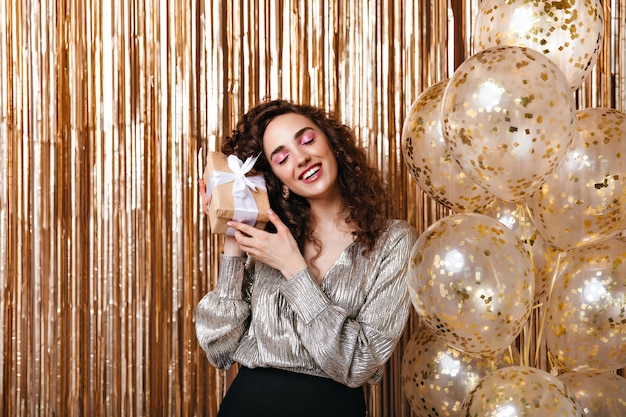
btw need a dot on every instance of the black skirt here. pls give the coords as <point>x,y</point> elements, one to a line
<point>277,393</point>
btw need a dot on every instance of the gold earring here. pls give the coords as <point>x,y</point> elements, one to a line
<point>285,192</point>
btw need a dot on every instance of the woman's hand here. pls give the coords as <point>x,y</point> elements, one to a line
<point>278,250</point>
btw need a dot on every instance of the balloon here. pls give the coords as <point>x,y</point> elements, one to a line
<point>521,391</point>
<point>515,217</point>
<point>586,312</point>
<point>600,393</point>
<point>428,159</point>
<point>584,200</point>
<point>569,33</point>
<point>436,377</point>
<point>471,282</point>
<point>508,116</point>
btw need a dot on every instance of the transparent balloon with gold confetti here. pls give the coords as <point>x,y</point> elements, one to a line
<point>584,199</point>
<point>507,117</point>
<point>602,394</point>
<point>436,377</point>
<point>521,391</point>
<point>428,159</point>
<point>586,311</point>
<point>472,283</point>
<point>570,33</point>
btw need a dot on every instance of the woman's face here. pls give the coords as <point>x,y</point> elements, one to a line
<point>301,157</point>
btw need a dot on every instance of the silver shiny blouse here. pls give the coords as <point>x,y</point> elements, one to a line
<point>345,329</point>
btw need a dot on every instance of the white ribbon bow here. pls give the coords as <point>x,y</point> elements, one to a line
<point>246,209</point>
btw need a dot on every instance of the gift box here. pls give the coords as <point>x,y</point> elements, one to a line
<point>235,193</point>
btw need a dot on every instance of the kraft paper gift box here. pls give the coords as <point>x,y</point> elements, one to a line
<point>235,193</point>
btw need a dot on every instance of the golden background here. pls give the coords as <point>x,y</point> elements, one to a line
<point>106,110</point>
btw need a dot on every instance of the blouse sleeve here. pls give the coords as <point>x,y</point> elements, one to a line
<point>223,315</point>
<point>353,350</point>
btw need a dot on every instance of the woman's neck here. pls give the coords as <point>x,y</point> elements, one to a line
<point>328,218</point>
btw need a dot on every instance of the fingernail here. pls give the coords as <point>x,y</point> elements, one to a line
<point>270,211</point>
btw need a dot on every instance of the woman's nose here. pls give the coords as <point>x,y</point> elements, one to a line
<point>303,158</point>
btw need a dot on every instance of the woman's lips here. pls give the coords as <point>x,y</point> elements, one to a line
<point>311,173</point>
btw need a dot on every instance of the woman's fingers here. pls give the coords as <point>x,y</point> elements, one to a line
<point>245,229</point>
<point>206,200</point>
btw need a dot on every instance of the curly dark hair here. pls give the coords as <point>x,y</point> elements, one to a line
<point>362,188</point>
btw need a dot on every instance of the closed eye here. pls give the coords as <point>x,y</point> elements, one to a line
<point>307,138</point>
<point>280,157</point>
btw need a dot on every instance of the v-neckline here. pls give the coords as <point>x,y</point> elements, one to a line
<point>335,262</point>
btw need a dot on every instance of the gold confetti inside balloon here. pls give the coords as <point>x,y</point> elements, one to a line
<point>436,377</point>
<point>602,394</point>
<point>520,391</point>
<point>471,282</point>
<point>508,116</point>
<point>570,33</point>
<point>584,200</point>
<point>428,159</point>
<point>586,312</point>
<point>515,217</point>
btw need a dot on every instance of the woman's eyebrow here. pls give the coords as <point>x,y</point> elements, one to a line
<point>296,136</point>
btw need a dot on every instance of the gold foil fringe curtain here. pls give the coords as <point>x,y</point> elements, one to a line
<point>106,109</point>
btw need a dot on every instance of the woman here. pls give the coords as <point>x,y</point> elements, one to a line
<point>312,307</point>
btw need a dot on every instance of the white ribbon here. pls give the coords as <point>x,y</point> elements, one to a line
<point>246,209</point>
